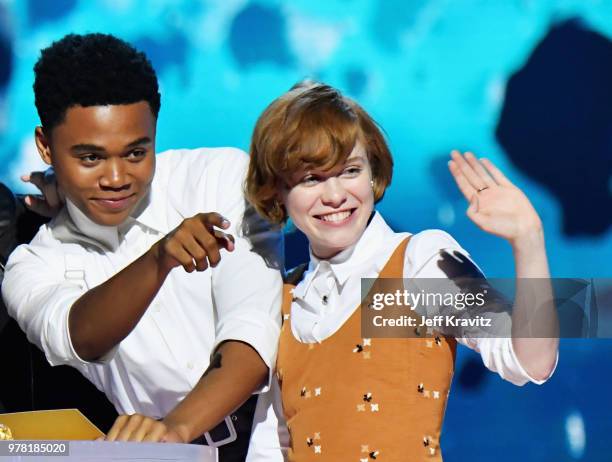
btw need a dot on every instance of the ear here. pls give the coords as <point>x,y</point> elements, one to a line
<point>43,145</point>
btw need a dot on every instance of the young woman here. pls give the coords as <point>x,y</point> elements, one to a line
<point>319,159</point>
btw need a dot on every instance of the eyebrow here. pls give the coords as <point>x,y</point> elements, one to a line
<point>86,147</point>
<point>359,158</point>
<point>139,142</point>
<point>83,147</point>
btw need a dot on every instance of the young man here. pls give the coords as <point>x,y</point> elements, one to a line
<point>147,271</point>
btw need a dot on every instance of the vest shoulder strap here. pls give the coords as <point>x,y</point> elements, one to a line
<point>75,269</point>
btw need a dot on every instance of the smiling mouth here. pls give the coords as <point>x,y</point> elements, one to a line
<point>335,217</point>
<point>114,202</point>
<point>112,199</point>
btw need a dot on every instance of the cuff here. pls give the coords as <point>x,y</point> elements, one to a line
<point>75,360</point>
<point>520,370</point>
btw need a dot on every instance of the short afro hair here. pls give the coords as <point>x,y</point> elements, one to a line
<point>91,70</point>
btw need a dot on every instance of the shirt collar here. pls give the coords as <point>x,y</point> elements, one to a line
<point>345,263</point>
<point>105,235</point>
<point>151,211</point>
<point>145,213</point>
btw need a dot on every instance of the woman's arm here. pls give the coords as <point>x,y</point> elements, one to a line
<point>499,207</point>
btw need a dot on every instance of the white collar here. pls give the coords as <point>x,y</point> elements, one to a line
<point>105,235</point>
<point>149,212</point>
<point>345,263</point>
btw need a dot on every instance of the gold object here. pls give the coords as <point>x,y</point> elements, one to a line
<point>54,424</point>
<point>5,433</point>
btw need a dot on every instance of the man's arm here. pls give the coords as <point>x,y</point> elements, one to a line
<point>235,372</point>
<point>102,317</point>
<point>247,295</point>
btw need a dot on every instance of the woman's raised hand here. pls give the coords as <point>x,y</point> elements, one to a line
<point>496,205</point>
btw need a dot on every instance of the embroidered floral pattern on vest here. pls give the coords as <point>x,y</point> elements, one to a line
<point>373,399</point>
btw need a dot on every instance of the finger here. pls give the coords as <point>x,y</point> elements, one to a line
<point>156,433</point>
<point>38,205</point>
<point>49,195</point>
<point>37,179</point>
<point>47,184</point>
<point>462,183</point>
<point>496,173</point>
<point>225,240</point>
<point>474,179</point>
<point>116,428</point>
<point>479,169</point>
<point>214,219</point>
<point>210,244</point>
<point>173,248</point>
<point>142,430</point>
<point>172,437</point>
<point>196,251</point>
<point>186,261</point>
<point>52,191</point>
<point>130,427</point>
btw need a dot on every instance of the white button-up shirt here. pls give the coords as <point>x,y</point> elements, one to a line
<point>338,281</point>
<point>162,359</point>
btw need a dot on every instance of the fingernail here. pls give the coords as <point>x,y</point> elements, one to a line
<point>225,223</point>
<point>27,200</point>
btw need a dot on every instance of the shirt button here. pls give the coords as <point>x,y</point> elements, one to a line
<point>156,307</point>
<point>189,365</point>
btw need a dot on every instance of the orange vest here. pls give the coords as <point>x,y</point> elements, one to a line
<point>358,399</point>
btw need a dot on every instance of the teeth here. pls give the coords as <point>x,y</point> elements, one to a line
<point>336,216</point>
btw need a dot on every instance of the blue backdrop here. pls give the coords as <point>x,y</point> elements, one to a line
<point>527,83</point>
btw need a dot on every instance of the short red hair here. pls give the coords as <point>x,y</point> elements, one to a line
<point>311,126</point>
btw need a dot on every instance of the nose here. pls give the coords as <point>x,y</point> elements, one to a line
<point>114,175</point>
<point>334,193</point>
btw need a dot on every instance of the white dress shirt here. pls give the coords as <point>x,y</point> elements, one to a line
<point>163,358</point>
<point>339,281</point>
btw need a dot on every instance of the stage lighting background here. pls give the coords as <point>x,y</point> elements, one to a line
<point>434,74</point>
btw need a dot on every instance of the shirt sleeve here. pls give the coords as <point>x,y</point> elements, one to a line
<point>498,356</point>
<point>38,296</point>
<point>247,284</point>
<point>435,254</point>
<point>270,437</point>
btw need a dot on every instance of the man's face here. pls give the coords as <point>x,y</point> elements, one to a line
<point>104,158</point>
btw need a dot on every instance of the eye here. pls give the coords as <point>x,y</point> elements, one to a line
<point>309,180</point>
<point>136,154</point>
<point>90,159</point>
<point>351,171</point>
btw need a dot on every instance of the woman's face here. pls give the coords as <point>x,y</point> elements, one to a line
<point>332,207</point>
